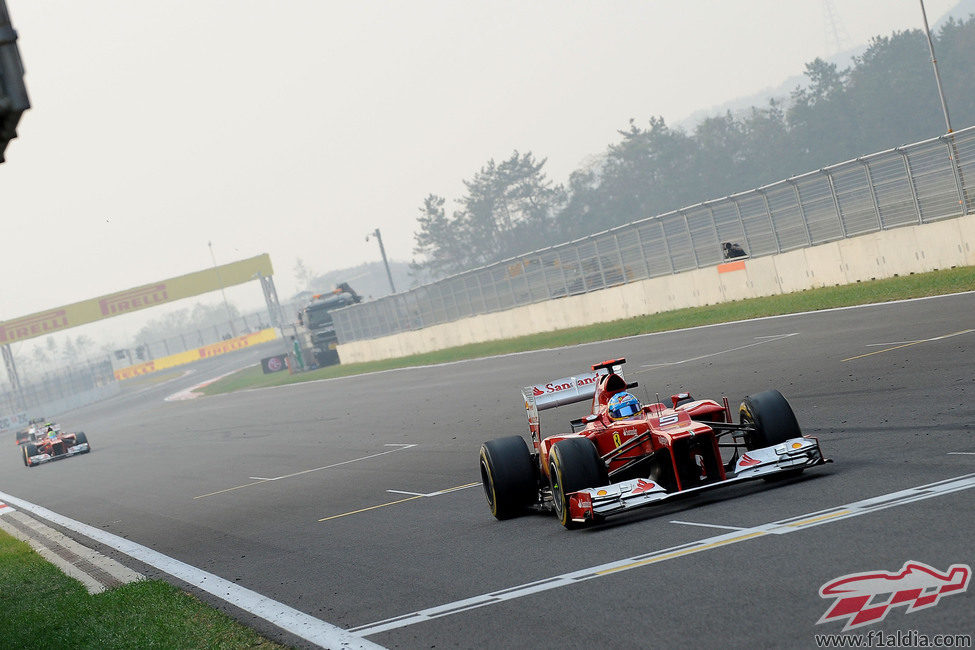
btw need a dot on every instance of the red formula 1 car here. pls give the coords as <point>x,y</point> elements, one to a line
<point>46,443</point>
<point>624,455</point>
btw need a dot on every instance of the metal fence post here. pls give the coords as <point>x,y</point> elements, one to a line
<point>956,170</point>
<point>741,223</point>
<point>480,292</point>
<point>643,254</point>
<point>690,240</point>
<point>470,302</point>
<point>619,256</point>
<point>836,201</point>
<point>873,192</point>
<point>714,225</point>
<point>670,257</point>
<point>771,223</point>
<point>582,274</point>
<point>910,182</point>
<point>802,212</point>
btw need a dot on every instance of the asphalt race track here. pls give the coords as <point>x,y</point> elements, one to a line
<point>358,500</point>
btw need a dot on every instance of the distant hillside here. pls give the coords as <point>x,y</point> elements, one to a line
<point>782,92</point>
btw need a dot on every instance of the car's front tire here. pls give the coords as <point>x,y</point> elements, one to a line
<point>30,449</point>
<point>508,476</point>
<point>573,464</point>
<point>772,418</point>
<point>81,438</point>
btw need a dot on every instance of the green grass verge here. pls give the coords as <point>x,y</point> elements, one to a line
<point>43,608</point>
<point>898,288</point>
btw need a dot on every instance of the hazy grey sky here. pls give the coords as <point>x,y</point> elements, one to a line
<point>296,127</point>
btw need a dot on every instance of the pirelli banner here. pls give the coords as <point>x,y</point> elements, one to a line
<point>212,350</point>
<point>123,302</point>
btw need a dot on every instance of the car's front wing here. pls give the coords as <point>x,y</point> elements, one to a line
<point>592,503</point>
<point>37,459</point>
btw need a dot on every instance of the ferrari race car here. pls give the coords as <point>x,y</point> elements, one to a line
<point>47,442</point>
<point>624,455</point>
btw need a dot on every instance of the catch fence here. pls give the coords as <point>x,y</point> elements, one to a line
<point>913,184</point>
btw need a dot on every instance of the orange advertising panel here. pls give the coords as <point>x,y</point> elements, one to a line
<point>123,302</point>
<point>728,267</point>
<point>190,356</point>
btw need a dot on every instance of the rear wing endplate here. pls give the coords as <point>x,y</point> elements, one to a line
<point>558,392</point>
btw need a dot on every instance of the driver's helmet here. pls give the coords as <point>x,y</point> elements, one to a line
<point>623,405</point>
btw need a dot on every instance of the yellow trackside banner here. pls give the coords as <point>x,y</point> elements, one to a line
<point>123,302</point>
<point>189,356</point>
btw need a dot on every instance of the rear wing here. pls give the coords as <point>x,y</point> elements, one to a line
<point>567,390</point>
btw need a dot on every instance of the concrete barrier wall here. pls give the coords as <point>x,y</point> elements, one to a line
<point>911,249</point>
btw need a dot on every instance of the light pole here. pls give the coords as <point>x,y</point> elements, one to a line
<point>226,305</point>
<point>960,177</point>
<point>379,238</point>
<point>934,63</point>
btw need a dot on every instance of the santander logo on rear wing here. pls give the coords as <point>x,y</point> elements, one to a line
<point>562,391</point>
<point>567,390</point>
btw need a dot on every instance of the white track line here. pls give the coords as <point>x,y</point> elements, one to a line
<point>287,618</point>
<point>782,527</point>
<point>434,494</point>
<point>766,339</point>
<point>258,479</point>
<point>691,523</point>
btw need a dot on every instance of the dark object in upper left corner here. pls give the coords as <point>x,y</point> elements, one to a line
<point>13,92</point>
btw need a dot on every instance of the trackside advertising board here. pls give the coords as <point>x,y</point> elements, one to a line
<point>123,302</point>
<point>190,356</point>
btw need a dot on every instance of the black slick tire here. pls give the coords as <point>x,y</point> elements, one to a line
<point>508,476</point>
<point>573,464</point>
<point>30,449</point>
<point>772,418</point>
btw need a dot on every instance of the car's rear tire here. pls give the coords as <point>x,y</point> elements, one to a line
<point>771,416</point>
<point>81,438</point>
<point>508,476</point>
<point>573,464</point>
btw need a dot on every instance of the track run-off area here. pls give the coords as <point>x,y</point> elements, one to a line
<point>350,510</point>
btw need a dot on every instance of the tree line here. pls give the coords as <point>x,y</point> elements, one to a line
<point>886,97</point>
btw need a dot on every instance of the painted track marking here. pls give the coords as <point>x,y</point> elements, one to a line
<point>782,527</point>
<point>691,523</point>
<point>961,453</point>
<point>904,345</point>
<point>765,339</point>
<point>414,496</point>
<point>287,618</point>
<point>258,481</point>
